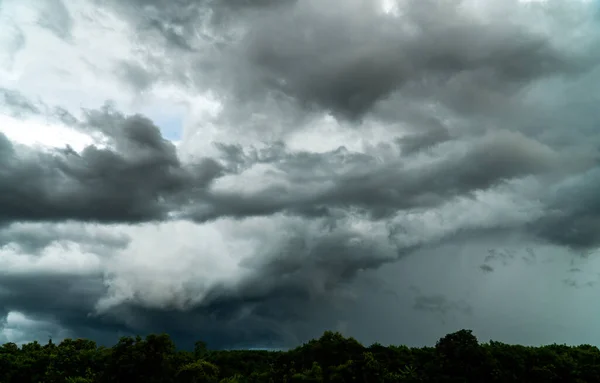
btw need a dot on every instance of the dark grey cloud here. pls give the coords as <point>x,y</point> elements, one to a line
<point>415,142</point>
<point>66,301</point>
<point>371,62</point>
<point>61,294</point>
<point>59,301</point>
<point>139,176</point>
<point>303,268</point>
<point>355,58</point>
<point>133,179</point>
<point>573,217</point>
<point>380,188</point>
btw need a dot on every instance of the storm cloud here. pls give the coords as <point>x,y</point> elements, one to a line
<point>126,181</point>
<point>422,159</point>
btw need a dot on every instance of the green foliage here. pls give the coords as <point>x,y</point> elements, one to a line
<point>313,375</point>
<point>199,371</point>
<point>200,349</point>
<point>457,357</point>
<point>233,379</point>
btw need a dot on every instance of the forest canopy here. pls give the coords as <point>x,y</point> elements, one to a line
<point>457,357</point>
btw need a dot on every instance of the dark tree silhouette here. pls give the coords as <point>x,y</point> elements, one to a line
<point>457,357</point>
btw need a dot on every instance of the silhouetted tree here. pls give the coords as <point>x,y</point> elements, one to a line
<point>457,357</point>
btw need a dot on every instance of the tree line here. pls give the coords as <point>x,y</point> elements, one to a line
<point>457,357</point>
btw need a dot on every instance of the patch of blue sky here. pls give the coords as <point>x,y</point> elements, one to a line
<point>171,126</point>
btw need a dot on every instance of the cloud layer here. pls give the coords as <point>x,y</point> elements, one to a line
<point>332,157</point>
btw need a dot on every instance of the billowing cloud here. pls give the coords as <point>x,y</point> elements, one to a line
<point>35,237</point>
<point>124,181</point>
<point>255,172</point>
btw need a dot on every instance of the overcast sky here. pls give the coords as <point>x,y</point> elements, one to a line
<point>254,172</point>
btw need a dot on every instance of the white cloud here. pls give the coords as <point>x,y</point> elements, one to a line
<point>18,328</point>
<point>174,264</point>
<point>36,132</point>
<point>57,258</point>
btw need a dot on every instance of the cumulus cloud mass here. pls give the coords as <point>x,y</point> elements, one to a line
<point>251,173</point>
